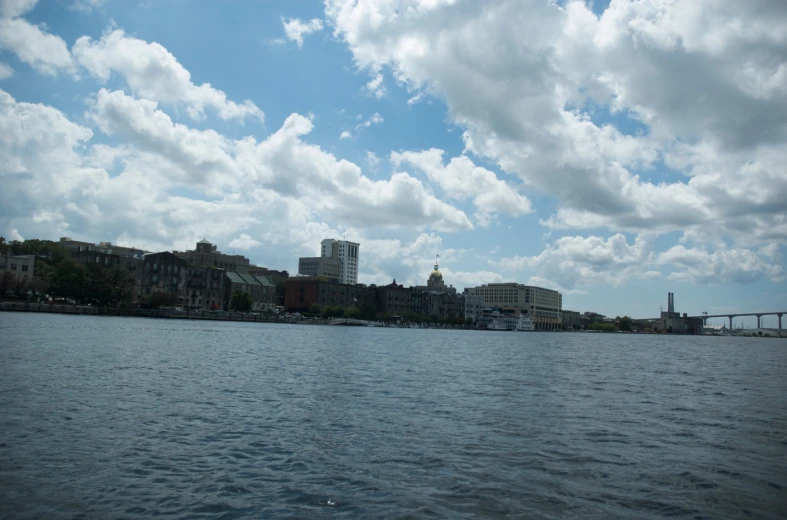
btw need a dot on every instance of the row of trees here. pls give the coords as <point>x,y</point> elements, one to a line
<point>622,324</point>
<point>56,274</point>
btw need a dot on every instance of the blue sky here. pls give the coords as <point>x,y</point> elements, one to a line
<point>615,154</point>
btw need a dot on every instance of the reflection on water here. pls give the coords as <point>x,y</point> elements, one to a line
<point>125,417</point>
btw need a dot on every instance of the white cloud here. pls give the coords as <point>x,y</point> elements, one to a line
<point>372,160</point>
<point>706,81</point>
<point>245,242</point>
<point>574,263</point>
<point>723,265</point>
<point>44,52</point>
<point>86,5</point>
<point>461,179</point>
<point>5,71</point>
<point>152,72</point>
<point>375,86</point>
<point>375,119</point>
<point>345,135</point>
<point>14,8</point>
<point>281,190</point>
<point>296,29</point>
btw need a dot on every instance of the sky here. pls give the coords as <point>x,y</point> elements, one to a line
<point>614,151</point>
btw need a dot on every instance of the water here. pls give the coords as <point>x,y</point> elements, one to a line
<point>125,417</point>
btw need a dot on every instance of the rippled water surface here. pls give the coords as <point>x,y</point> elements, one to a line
<point>126,417</point>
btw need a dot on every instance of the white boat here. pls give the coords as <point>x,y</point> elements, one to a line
<point>497,325</point>
<point>525,323</point>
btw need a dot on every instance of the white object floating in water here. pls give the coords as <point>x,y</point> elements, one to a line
<point>331,503</point>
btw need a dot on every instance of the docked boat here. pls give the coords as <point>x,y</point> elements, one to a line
<point>525,323</point>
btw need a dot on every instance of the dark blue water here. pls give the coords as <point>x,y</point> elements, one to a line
<point>127,418</point>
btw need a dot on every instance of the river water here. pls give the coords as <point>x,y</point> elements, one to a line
<point>128,418</point>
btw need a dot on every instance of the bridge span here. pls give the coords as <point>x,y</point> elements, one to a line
<point>759,315</point>
<point>704,317</point>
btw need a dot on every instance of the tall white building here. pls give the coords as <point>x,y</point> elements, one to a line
<point>347,253</point>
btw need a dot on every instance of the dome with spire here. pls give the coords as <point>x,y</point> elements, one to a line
<point>435,278</point>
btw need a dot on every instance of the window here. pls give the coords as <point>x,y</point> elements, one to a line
<point>13,267</point>
<point>24,267</point>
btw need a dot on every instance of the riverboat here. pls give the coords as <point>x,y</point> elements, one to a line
<point>525,323</point>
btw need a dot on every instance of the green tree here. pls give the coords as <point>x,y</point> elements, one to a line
<point>241,301</point>
<point>353,313</point>
<point>368,311</point>
<point>330,311</point>
<point>624,323</point>
<point>69,280</point>
<point>603,327</point>
<point>110,286</point>
<point>6,282</point>
<point>315,308</point>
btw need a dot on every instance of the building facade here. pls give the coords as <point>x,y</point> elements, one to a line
<point>301,293</point>
<point>542,305</point>
<point>347,253</point>
<point>261,290</point>
<point>159,272</point>
<point>20,267</point>
<point>570,320</point>
<point>76,246</point>
<point>474,306</point>
<point>325,267</point>
<point>206,254</point>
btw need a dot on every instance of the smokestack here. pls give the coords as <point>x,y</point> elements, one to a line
<point>670,302</point>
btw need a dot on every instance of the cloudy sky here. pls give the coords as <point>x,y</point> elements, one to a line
<point>612,150</point>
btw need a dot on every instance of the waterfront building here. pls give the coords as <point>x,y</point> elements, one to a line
<point>474,306</point>
<point>205,287</point>
<point>301,293</point>
<point>347,253</point>
<point>157,272</point>
<point>394,299</point>
<point>672,322</point>
<point>206,254</point>
<point>325,267</point>
<point>570,320</point>
<point>260,288</point>
<point>542,305</point>
<point>21,267</point>
<point>76,246</point>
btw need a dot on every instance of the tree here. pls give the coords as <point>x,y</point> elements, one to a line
<point>241,301</point>
<point>109,286</point>
<point>69,280</point>
<point>624,323</point>
<point>315,308</point>
<point>368,311</point>
<point>352,312</point>
<point>6,282</point>
<point>332,312</point>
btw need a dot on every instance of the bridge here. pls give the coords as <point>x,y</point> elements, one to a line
<point>759,315</point>
<point>704,317</point>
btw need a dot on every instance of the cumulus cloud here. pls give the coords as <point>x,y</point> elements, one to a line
<point>5,71</point>
<point>153,73</point>
<point>277,190</point>
<point>244,241</point>
<point>296,30</point>
<point>574,263</point>
<point>375,86</point>
<point>706,83</point>
<point>461,179</point>
<point>32,44</point>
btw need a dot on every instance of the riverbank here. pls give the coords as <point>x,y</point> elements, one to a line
<point>154,313</point>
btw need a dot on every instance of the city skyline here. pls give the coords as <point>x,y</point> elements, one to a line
<point>616,155</point>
